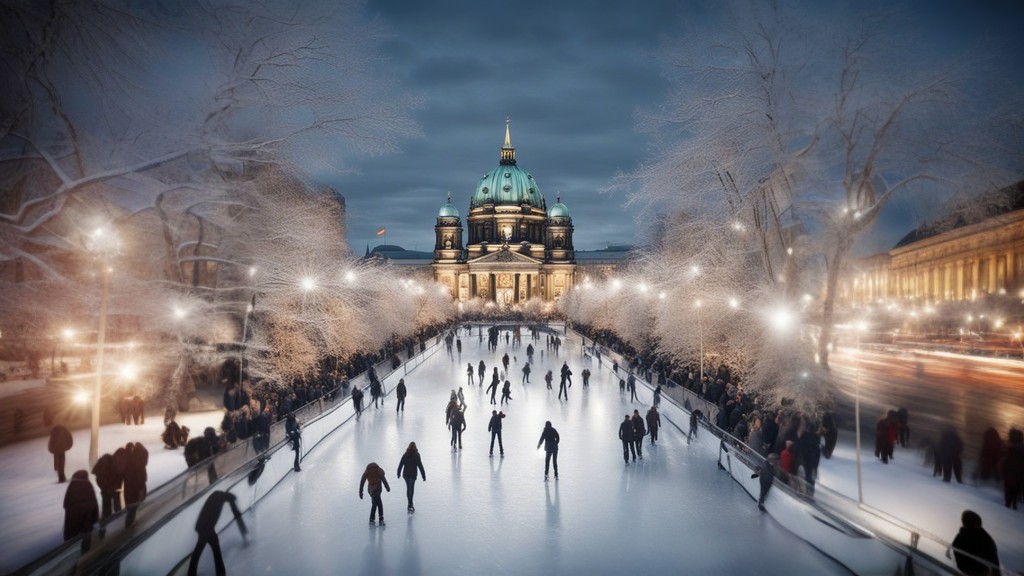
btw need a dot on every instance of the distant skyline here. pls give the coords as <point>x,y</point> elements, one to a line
<point>570,78</point>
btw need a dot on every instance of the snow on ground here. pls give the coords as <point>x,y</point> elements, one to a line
<point>674,510</point>
<point>33,502</point>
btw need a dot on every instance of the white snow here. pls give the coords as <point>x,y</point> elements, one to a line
<point>674,511</point>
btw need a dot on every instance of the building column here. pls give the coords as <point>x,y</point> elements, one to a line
<point>993,264</point>
<point>515,286</point>
<point>975,275</point>
<point>1011,261</point>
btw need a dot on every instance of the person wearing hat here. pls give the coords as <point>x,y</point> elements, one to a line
<point>973,547</point>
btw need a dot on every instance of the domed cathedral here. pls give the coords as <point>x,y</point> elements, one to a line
<point>517,248</point>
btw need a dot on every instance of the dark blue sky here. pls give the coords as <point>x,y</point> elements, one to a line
<point>570,75</point>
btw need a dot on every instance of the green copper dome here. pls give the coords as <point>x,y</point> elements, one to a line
<point>508,184</point>
<point>448,210</point>
<point>559,210</point>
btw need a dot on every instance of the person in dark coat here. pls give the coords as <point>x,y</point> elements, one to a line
<point>810,452</point>
<point>135,477</point>
<point>973,542</point>
<point>60,442</point>
<point>400,392</point>
<point>138,409</point>
<point>830,433</point>
<point>494,427</point>
<point>493,389</point>
<point>547,379</point>
<point>261,435</point>
<point>948,455</point>
<point>549,437</point>
<point>109,476</point>
<point>407,467</point>
<point>482,371</point>
<point>357,400</point>
<point>631,386</point>
<point>653,424</point>
<point>991,452</point>
<point>903,418</point>
<point>374,476</point>
<point>293,430</point>
<point>457,423</point>
<point>376,391</point>
<point>81,512</point>
<point>766,474</point>
<point>1013,468</point>
<point>199,449</point>
<point>206,527</point>
<point>506,392</point>
<point>626,436</point>
<point>639,431</point>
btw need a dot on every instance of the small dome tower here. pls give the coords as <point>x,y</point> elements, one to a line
<point>448,234</point>
<point>558,242</point>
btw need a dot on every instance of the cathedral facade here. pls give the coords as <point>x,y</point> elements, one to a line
<point>517,248</point>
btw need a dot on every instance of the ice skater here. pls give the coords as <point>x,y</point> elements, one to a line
<point>374,476</point>
<point>767,475</point>
<point>626,436</point>
<point>549,437</point>
<point>506,392</point>
<point>493,389</point>
<point>407,467</point>
<point>494,427</point>
<point>526,373</point>
<point>293,430</point>
<point>631,386</point>
<point>206,527</point>
<point>458,425</point>
<point>462,399</point>
<point>482,371</point>
<point>469,374</point>
<point>639,431</point>
<point>60,442</point>
<point>653,424</point>
<point>563,386</point>
<point>400,393</point>
<point>547,379</point>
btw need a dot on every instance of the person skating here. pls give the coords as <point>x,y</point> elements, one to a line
<point>494,427</point>
<point>547,379</point>
<point>657,395</point>
<point>766,473</point>
<point>529,353</point>
<point>653,424</point>
<point>469,374</point>
<point>526,373</point>
<point>60,442</point>
<point>563,387</point>
<point>1013,468</point>
<point>493,389</point>
<point>972,543</point>
<point>457,425</point>
<point>482,371</point>
<point>376,392</point>
<point>374,476</point>
<point>109,477</point>
<point>293,431</point>
<point>357,400</point>
<point>400,393</point>
<point>81,511</point>
<point>504,362</point>
<point>639,431</point>
<point>462,399</point>
<point>407,467</point>
<point>626,436</point>
<point>506,392</point>
<point>586,377</point>
<point>206,527</point>
<point>549,437</point>
<point>631,386</point>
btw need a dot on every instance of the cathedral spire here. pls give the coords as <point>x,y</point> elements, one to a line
<point>508,153</point>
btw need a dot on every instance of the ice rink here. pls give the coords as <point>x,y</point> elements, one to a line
<point>674,511</point>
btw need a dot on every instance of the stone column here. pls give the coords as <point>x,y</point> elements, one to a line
<point>975,275</point>
<point>993,264</point>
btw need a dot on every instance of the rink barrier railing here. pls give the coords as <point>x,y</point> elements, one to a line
<point>113,546</point>
<point>929,553</point>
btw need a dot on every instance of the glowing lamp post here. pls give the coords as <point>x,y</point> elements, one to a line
<point>103,244</point>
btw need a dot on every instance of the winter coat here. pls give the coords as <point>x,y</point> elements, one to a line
<point>374,476</point>
<point>626,431</point>
<point>458,421</point>
<point>653,420</point>
<point>135,474</point>
<point>1013,464</point>
<point>400,390</point>
<point>108,478</point>
<point>639,430</point>
<point>196,450</point>
<point>206,523</point>
<point>787,461</point>
<point>60,440</point>
<point>212,439</point>
<point>756,441</point>
<point>81,510</point>
<point>810,450</point>
<point>549,437</point>
<point>409,464</point>
<point>974,540</point>
<point>495,423</point>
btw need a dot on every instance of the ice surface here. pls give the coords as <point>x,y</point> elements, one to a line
<point>672,511</point>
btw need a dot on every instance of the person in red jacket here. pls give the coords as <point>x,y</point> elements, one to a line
<point>787,459</point>
<point>374,476</point>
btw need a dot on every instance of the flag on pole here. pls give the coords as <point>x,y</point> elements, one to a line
<point>381,231</point>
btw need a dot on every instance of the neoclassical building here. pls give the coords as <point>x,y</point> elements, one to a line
<point>961,258</point>
<point>517,249</point>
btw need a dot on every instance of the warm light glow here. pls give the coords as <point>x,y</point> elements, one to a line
<point>643,287</point>
<point>808,298</point>
<point>734,303</point>
<point>179,312</point>
<point>68,333</point>
<point>308,283</point>
<point>616,284</point>
<point>350,276</point>
<point>128,372</point>
<point>252,271</point>
<point>861,326</point>
<point>81,397</point>
<point>782,319</point>
<point>789,251</point>
<point>998,323</point>
<point>695,269</point>
<point>697,303</point>
<point>661,295</point>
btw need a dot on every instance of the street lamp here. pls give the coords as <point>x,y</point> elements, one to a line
<point>859,327</point>
<point>103,243</point>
